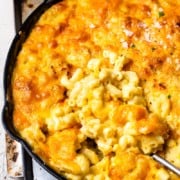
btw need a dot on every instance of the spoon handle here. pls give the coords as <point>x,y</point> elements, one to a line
<point>166,164</point>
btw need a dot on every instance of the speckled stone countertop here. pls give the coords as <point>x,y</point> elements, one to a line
<point>6,34</point>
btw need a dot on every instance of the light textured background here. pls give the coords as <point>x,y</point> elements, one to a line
<point>6,35</point>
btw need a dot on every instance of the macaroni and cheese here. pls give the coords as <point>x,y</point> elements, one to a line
<point>96,88</point>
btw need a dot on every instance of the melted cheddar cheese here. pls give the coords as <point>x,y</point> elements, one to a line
<point>96,88</point>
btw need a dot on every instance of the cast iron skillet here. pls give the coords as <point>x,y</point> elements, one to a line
<point>7,118</point>
<point>7,112</point>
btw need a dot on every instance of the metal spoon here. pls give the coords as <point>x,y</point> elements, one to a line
<point>166,164</point>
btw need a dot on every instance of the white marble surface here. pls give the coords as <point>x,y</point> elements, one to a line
<point>6,35</point>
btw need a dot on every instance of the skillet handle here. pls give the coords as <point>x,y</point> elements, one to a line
<point>47,1</point>
<point>51,1</point>
<point>17,14</point>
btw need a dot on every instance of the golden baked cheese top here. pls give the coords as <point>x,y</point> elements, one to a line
<point>96,88</point>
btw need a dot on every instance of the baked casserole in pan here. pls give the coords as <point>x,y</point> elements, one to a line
<point>96,88</point>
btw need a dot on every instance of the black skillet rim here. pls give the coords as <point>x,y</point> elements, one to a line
<point>7,110</point>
